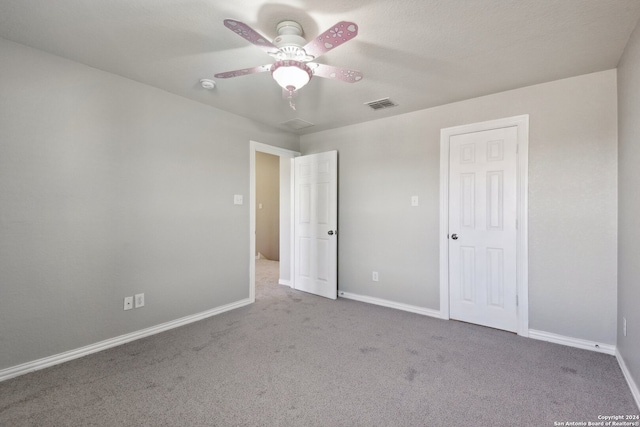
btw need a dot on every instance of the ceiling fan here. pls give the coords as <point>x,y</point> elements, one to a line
<point>293,67</point>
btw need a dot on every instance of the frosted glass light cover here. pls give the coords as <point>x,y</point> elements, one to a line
<point>291,75</point>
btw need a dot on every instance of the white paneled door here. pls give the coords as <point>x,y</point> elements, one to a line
<point>315,219</point>
<point>483,229</point>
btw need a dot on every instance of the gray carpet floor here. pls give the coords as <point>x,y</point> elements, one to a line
<point>294,359</point>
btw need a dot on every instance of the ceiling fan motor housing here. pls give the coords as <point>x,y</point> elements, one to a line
<point>290,41</point>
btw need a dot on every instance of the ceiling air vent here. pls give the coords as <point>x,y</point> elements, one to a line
<point>380,104</point>
<point>297,124</point>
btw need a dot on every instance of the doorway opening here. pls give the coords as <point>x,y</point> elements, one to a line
<point>267,207</point>
<point>264,240</point>
<point>267,210</point>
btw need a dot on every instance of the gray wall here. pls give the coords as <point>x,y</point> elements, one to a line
<point>572,201</point>
<point>268,195</point>
<point>629,208</point>
<point>109,188</point>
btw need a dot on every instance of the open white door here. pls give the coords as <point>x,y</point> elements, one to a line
<point>315,224</point>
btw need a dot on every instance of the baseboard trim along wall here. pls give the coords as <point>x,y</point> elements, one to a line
<point>45,362</point>
<point>538,335</point>
<point>572,342</point>
<point>285,282</point>
<point>390,304</point>
<point>627,375</point>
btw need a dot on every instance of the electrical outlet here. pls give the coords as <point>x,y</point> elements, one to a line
<point>624,326</point>
<point>139,300</point>
<point>237,199</point>
<point>375,276</point>
<point>128,303</point>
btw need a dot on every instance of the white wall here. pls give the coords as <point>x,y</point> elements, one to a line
<point>109,188</point>
<point>572,201</point>
<point>629,208</point>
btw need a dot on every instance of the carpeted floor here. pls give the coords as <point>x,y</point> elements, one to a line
<point>294,359</point>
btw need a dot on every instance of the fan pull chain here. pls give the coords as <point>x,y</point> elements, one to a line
<point>291,91</point>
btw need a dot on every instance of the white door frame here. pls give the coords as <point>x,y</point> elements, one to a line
<point>282,153</point>
<point>522,261</point>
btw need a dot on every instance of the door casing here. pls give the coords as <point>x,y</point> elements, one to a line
<point>522,262</point>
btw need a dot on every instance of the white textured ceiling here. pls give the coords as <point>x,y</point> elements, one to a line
<point>420,53</point>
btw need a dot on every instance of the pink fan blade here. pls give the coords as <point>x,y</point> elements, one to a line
<point>248,33</point>
<point>335,36</point>
<point>335,73</point>
<point>243,72</point>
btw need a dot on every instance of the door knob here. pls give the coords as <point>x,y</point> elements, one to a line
<point>454,236</point>
<point>330,232</point>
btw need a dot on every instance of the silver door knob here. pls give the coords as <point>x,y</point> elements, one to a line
<point>330,232</point>
<point>454,236</point>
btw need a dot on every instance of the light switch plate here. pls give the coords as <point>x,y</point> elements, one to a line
<point>414,200</point>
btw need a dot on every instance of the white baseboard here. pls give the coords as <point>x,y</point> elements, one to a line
<point>56,359</point>
<point>627,375</point>
<point>390,304</point>
<point>285,282</point>
<point>46,362</point>
<point>572,342</point>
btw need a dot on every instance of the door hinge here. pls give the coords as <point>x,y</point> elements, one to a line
<point>517,303</point>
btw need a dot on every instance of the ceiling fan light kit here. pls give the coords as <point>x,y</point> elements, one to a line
<point>292,69</point>
<point>291,75</point>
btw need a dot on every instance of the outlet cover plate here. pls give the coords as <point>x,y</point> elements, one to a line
<point>139,300</point>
